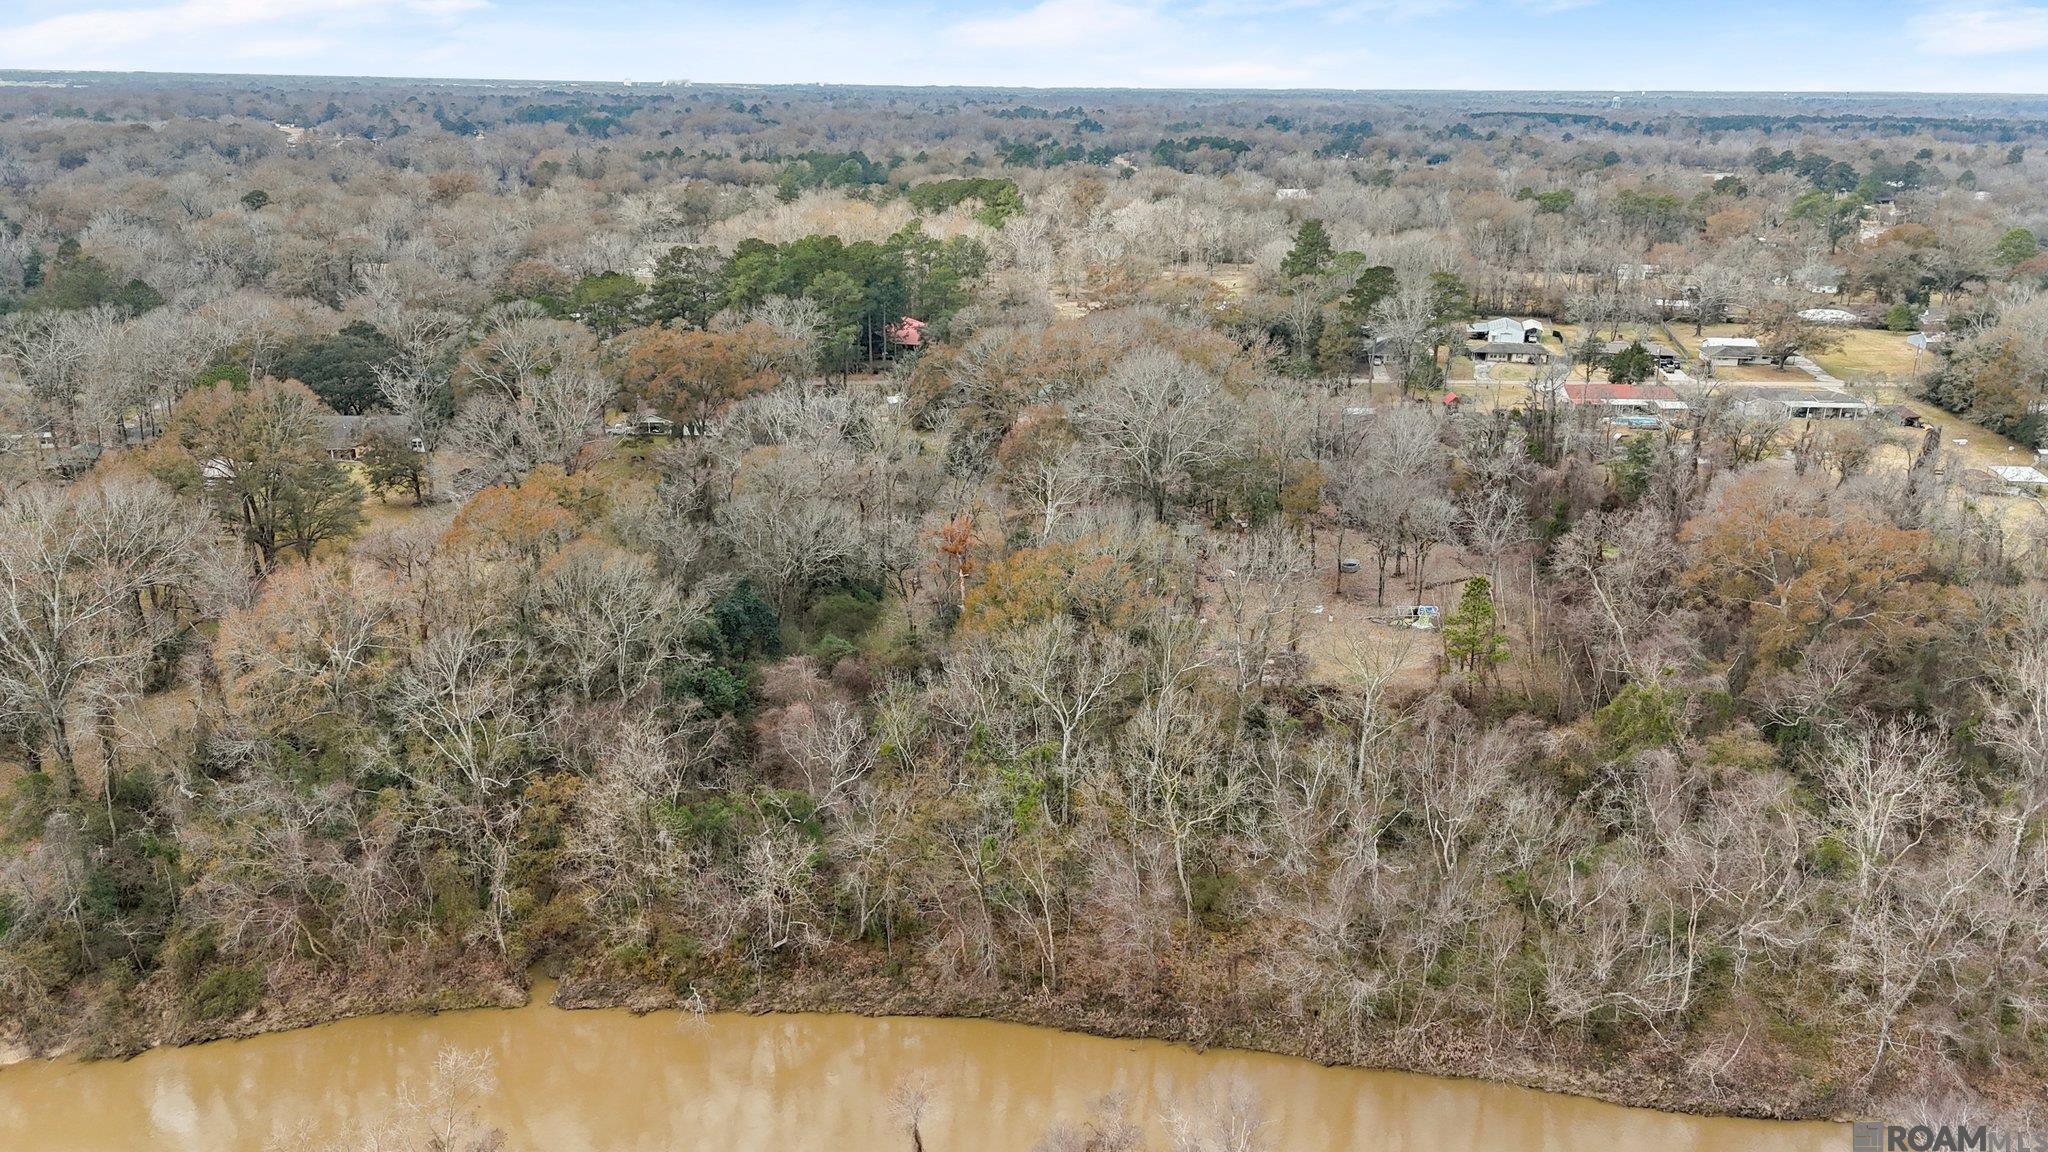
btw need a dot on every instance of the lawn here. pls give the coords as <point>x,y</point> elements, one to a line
<point>1647,333</point>
<point>1859,354</point>
<point>1870,352</point>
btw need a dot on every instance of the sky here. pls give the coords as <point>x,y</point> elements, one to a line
<point>1740,45</point>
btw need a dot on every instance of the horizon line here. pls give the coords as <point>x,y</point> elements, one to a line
<point>673,82</point>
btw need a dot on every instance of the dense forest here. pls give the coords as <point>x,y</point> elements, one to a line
<point>955,551</point>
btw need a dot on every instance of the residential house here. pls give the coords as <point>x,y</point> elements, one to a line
<point>1820,279</point>
<point>1829,316</point>
<point>341,436</point>
<point>1731,350</point>
<point>2018,478</point>
<point>1799,402</point>
<point>1506,330</point>
<point>2020,475</point>
<point>345,437</point>
<point>1644,399</point>
<point>1666,358</point>
<point>907,332</point>
<point>645,423</point>
<point>1500,352</point>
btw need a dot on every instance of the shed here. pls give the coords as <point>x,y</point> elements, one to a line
<point>2020,475</point>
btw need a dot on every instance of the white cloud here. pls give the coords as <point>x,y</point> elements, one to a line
<point>1062,24</point>
<point>1388,11</point>
<point>1143,43</point>
<point>1940,45</point>
<point>56,40</point>
<point>1980,30</point>
<point>279,48</point>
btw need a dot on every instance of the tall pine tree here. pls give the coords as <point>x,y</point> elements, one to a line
<point>1472,636</point>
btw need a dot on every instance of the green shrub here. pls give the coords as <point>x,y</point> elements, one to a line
<point>225,992</point>
<point>843,614</point>
<point>830,650</point>
<point>745,623</point>
<point>718,691</point>
<point>1640,716</point>
<point>1212,893</point>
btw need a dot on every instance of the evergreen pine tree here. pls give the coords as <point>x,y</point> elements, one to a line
<point>1472,636</point>
<point>1311,252</point>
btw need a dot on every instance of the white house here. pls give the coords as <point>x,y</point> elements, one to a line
<point>1821,279</point>
<point>1506,330</point>
<point>1727,350</point>
<point>1510,351</point>
<point>1799,402</point>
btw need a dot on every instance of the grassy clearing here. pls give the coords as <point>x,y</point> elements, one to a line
<point>1975,446</point>
<point>1866,353</point>
<point>1348,637</point>
<point>1232,278</point>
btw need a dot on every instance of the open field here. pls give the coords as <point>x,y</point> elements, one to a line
<point>1859,353</point>
<point>1976,447</point>
<point>1345,635</point>
<point>1871,352</point>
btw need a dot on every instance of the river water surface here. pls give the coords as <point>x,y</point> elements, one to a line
<point>590,1080</point>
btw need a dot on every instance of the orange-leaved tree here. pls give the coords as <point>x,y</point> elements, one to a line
<point>691,377</point>
<point>1081,580</point>
<point>528,521</point>
<point>1795,566</point>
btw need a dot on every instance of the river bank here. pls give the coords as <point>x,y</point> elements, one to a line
<point>1646,1081</point>
<point>571,1081</point>
<point>1649,1077</point>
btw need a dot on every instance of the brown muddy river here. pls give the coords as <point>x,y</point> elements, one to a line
<point>577,1081</point>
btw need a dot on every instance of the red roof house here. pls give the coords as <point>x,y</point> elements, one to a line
<point>907,332</point>
<point>1637,397</point>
